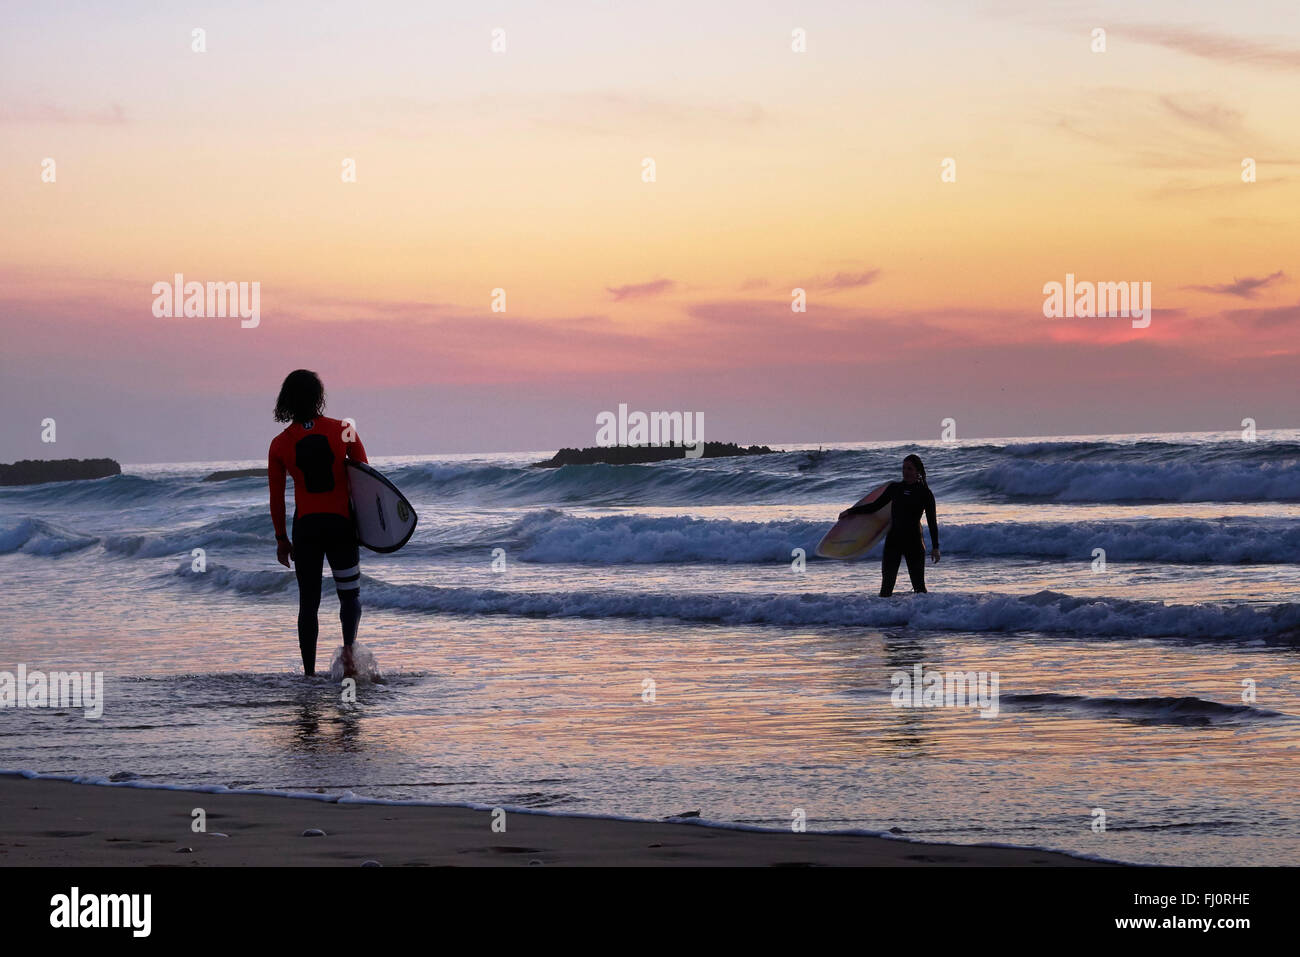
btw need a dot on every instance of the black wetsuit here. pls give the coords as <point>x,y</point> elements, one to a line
<point>317,537</point>
<point>908,502</point>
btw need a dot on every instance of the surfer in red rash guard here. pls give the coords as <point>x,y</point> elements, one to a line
<point>312,450</point>
<point>909,498</point>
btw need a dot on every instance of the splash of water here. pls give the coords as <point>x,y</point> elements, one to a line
<point>363,660</point>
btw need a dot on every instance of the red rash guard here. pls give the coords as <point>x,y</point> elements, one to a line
<point>313,453</point>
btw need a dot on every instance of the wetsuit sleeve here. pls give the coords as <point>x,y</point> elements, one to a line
<point>355,450</point>
<point>275,476</point>
<point>930,518</point>
<point>886,497</point>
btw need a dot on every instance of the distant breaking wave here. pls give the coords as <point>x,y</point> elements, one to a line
<point>553,536</point>
<point>1100,474</point>
<point>550,536</point>
<point>37,537</point>
<point>1077,482</point>
<point>1054,471</point>
<point>1045,611</point>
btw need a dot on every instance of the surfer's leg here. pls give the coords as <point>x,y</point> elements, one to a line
<point>889,567</point>
<point>916,564</point>
<point>308,562</point>
<point>345,562</point>
<point>349,614</point>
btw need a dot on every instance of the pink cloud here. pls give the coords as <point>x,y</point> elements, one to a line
<point>642,290</point>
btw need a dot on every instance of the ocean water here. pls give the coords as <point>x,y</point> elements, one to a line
<point>652,648</point>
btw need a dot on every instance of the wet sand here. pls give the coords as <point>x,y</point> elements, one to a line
<point>58,823</point>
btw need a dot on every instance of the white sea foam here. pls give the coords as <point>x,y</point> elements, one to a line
<point>1045,611</point>
<point>365,664</point>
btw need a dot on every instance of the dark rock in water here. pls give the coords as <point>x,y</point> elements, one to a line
<point>37,471</point>
<point>641,454</point>
<point>235,473</point>
<point>313,832</point>
<point>678,817</point>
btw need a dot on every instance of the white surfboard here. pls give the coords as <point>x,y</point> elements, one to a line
<point>383,517</point>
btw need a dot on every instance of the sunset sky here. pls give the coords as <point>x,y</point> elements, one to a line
<point>523,170</point>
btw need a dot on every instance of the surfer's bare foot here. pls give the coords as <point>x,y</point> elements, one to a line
<point>349,665</point>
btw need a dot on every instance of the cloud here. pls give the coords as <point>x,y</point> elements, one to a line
<point>840,280</point>
<point>1160,131</point>
<point>843,280</point>
<point>642,290</point>
<point>1281,319</point>
<point>1246,288</point>
<point>1210,116</point>
<point>478,381</point>
<point>1240,51</point>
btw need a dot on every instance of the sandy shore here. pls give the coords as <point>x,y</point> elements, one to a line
<point>45,822</point>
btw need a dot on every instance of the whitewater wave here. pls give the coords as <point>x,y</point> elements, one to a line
<point>552,536</point>
<point>237,531</point>
<point>1043,612</point>
<point>35,536</point>
<point>1076,482</point>
<point>1225,541</point>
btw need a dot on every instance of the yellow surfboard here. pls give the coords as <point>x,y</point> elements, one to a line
<point>855,535</point>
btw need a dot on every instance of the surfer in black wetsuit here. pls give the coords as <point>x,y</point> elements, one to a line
<point>909,499</point>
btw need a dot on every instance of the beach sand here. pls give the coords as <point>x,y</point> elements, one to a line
<point>49,822</point>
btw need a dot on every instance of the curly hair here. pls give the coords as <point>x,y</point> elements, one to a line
<point>302,397</point>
